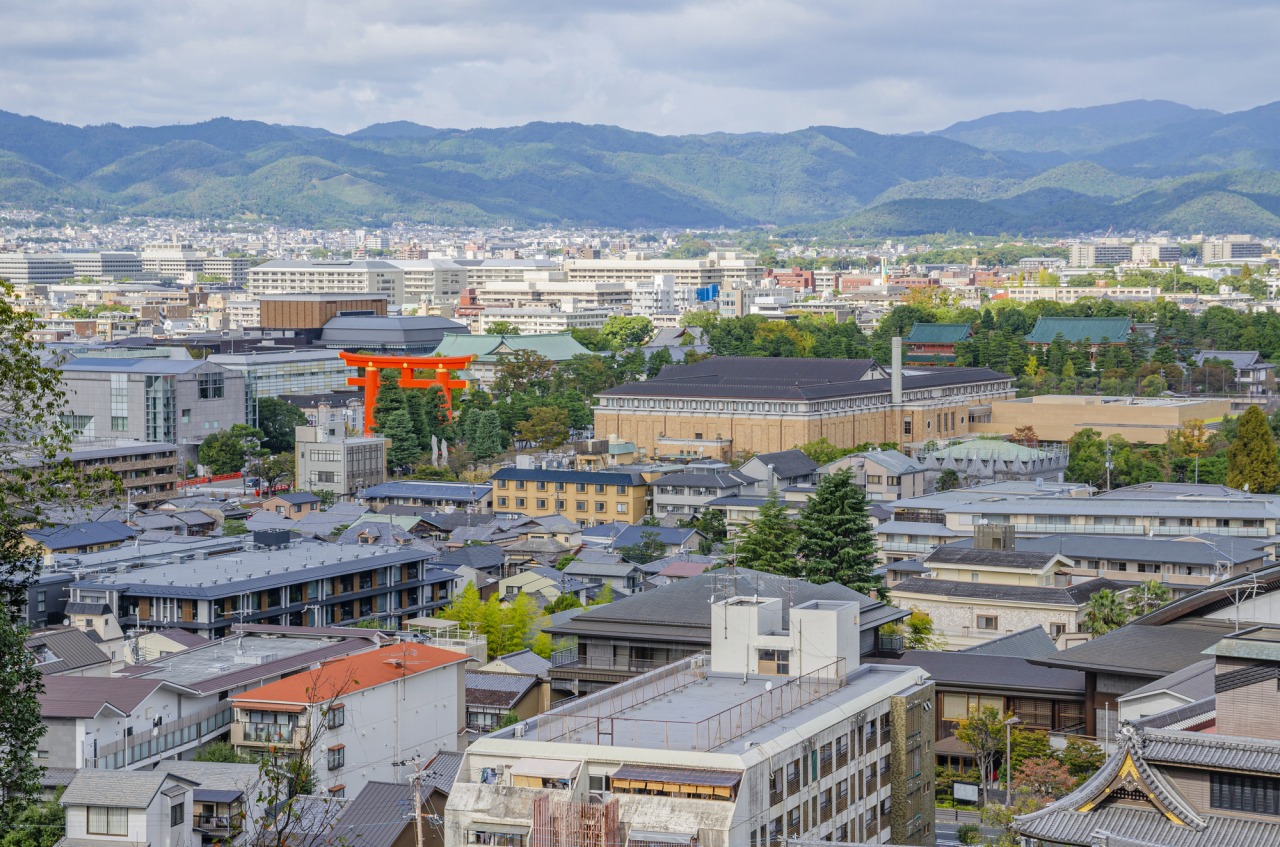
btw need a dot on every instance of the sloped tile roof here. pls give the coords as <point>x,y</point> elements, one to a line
<point>922,333</point>
<point>1115,330</point>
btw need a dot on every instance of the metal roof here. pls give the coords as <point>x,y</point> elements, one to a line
<point>88,696</point>
<point>155,367</point>
<point>66,648</point>
<point>786,464</point>
<point>1025,644</point>
<point>929,333</point>
<point>588,477</point>
<point>668,535</point>
<point>119,789</point>
<point>1074,595</point>
<point>986,671</point>
<point>1115,330</point>
<point>688,776</point>
<point>979,557</point>
<point>1143,650</point>
<point>457,491</point>
<point>376,817</point>
<point>441,771</point>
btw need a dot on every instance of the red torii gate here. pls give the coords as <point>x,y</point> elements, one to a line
<point>440,366</point>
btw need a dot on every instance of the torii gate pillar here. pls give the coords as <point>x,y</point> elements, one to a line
<point>441,368</point>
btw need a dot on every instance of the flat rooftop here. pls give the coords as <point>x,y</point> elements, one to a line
<point>683,707</point>
<point>228,655</point>
<point>1085,400</point>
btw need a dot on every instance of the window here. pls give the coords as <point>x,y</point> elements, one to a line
<point>599,507</point>
<point>581,487</point>
<point>326,476</point>
<point>1057,629</point>
<point>874,479</point>
<point>542,485</point>
<point>559,486</point>
<point>622,489</point>
<point>177,814</point>
<point>541,504</point>
<point>559,505</point>
<point>108,820</point>
<point>774,662</point>
<point>335,717</point>
<point>895,480</point>
<point>622,508</point>
<point>988,622</point>
<point>580,505</point>
<point>502,501</point>
<point>210,386</point>
<point>519,485</point>
<point>337,757</point>
<point>1259,795</point>
<point>519,502</point>
<point>599,488</point>
<point>906,426</point>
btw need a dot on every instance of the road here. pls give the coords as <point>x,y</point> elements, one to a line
<point>946,830</point>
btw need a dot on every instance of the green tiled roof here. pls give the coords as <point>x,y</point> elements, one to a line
<point>1073,330</point>
<point>938,333</point>
<point>558,347</point>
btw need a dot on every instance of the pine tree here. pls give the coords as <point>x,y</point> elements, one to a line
<point>836,542</point>
<point>768,543</point>
<point>486,437</point>
<point>1251,458</point>
<point>391,398</point>
<point>404,449</point>
<point>416,406</point>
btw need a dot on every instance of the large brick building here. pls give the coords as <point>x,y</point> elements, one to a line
<point>728,406</point>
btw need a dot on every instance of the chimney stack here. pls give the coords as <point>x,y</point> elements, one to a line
<point>895,375</point>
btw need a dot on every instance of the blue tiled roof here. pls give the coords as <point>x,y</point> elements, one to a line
<point>590,477</point>
<point>460,491</point>
<point>666,534</point>
<point>87,534</point>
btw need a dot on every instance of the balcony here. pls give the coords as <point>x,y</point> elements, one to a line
<point>907,547</point>
<point>1137,529</point>
<point>219,824</point>
<point>162,741</point>
<point>285,734</point>
<point>569,660</point>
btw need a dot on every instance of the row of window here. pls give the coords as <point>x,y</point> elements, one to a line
<point>782,408</point>
<point>561,505</point>
<point>580,487</point>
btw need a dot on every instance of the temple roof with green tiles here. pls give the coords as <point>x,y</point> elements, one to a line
<point>922,333</point>
<point>1074,330</point>
<point>558,347</point>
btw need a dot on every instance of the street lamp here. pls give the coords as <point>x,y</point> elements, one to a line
<point>1008,756</point>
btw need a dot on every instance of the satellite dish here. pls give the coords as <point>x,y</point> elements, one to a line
<point>768,686</point>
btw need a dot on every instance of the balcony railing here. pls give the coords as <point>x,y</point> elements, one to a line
<point>1138,529</point>
<point>160,741</point>
<point>618,664</point>
<point>265,733</point>
<point>214,824</point>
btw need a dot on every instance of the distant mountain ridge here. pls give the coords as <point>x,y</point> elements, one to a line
<point>1142,164</point>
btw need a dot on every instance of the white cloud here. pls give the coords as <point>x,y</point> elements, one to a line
<point>663,66</point>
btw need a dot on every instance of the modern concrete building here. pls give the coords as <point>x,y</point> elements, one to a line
<point>408,335</point>
<point>288,371</point>
<point>327,459</point>
<point>722,269</point>
<point>173,401</point>
<point>778,733</point>
<point>532,321</point>
<point>341,276</point>
<point>35,268</point>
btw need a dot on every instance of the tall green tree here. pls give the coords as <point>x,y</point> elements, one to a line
<point>836,541</point>
<point>1251,458</point>
<point>403,450</point>
<point>486,435</point>
<point>768,543</point>
<point>391,398</point>
<point>277,420</point>
<point>1147,597</point>
<point>232,449</point>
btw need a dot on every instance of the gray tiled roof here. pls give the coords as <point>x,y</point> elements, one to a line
<point>1194,682</point>
<point>989,558</point>
<point>497,689</point>
<point>442,771</point>
<point>72,648</point>
<point>215,776</point>
<point>666,534</point>
<point>1141,650</point>
<point>120,789</point>
<point>377,816</point>
<point>789,464</point>
<point>526,662</point>
<point>1074,595</point>
<point>986,671</point>
<point>478,556</point>
<point>84,534</point>
<point>1029,643</point>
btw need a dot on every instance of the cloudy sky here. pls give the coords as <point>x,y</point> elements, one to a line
<point>665,66</point>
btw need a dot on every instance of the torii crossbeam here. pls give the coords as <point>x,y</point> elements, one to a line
<point>441,368</point>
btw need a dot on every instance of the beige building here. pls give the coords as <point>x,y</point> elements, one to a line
<point>727,406</point>
<point>326,459</point>
<point>588,497</point>
<point>343,276</point>
<point>1140,420</point>
<point>723,269</point>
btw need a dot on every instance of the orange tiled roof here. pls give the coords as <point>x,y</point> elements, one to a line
<point>344,675</point>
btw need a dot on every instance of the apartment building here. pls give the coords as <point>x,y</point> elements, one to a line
<point>358,718</point>
<point>294,583</point>
<point>107,265</point>
<point>149,471</point>
<point>432,283</point>
<point>769,737</point>
<point>588,497</point>
<point>35,268</point>
<point>1070,294</point>
<point>179,261</point>
<point>1100,254</point>
<point>1232,248</point>
<point>482,273</point>
<point>552,288</point>
<point>171,401</point>
<point>721,269</point>
<point>542,321</point>
<point>343,276</point>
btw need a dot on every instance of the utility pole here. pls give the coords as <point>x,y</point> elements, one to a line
<point>417,805</point>
<point>1108,465</point>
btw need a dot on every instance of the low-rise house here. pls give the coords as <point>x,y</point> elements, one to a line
<point>686,493</point>
<point>674,539</point>
<point>647,630</point>
<point>430,495</point>
<point>535,552</point>
<point>624,577</point>
<point>84,716</point>
<point>68,651</point>
<point>1199,775</point>
<point>886,475</point>
<point>1192,684</point>
<point>1253,375</point>
<point>225,807</point>
<point>544,585</point>
<point>778,470</point>
<point>413,693</point>
<point>141,807</point>
<point>493,696</point>
<point>83,537</point>
<point>293,504</point>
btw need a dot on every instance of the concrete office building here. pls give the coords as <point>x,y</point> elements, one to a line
<point>431,283</point>
<point>723,269</point>
<point>35,268</point>
<point>483,272</point>
<point>327,459</point>
<point>172,260</point>
<point>313,311</point>
<point>288,371</point>
<point>542,289</point>
<point>778,733</point>
<point>1092,255</point>
<point>346,276</point>
<point>1231,248</point>
<point>542,321</point>
<point>112,265</point>
<point>174,401</point>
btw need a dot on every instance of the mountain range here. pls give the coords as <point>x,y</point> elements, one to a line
<point>1152,165</point>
